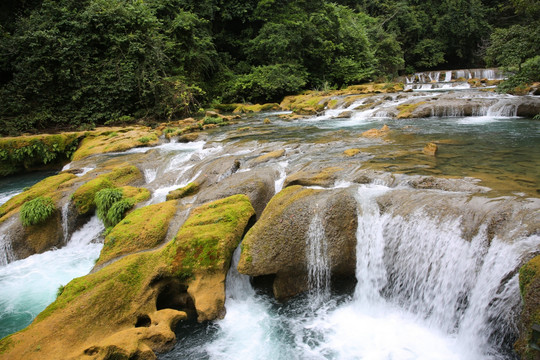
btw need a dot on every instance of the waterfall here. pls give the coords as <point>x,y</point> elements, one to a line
<point>30,284</point>
<point>318,261</point>
<point>6,252</point>
<point>65,222</point>
<point>448,76</point>
<point>237,285</point>
<point>150,175</point>
<point>278,184</point>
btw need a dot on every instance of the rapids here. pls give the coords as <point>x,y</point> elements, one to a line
<point>433,279</point>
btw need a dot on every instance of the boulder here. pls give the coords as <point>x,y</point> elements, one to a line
<point>430,149</point>
<point>376,133</point>
<point>276,244</point>
<point>313,177</point>
<point>257,184</point>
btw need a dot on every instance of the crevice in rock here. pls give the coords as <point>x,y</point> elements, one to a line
<point>143,321</point>
<point>173,295</point>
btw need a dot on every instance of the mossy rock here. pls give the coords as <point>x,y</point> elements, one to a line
<point>29,152</point>
<point>47,187</point>
<point>324,177</point>
<point>406,110</point>
<point>529,286</point>
<point>246,108</point>
<point>352,152</point>
<point>84,196</point>
<point>142,229</point>
<point>190,189</point>
<point>102,313</point>
<point>269,156</point>
<point>115,140</point>
<point>276,244</point>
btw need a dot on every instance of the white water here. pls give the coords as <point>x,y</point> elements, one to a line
<point>318,261</point>
<point>423,292</point>
<point>30,284</point>
<point>278,184</point>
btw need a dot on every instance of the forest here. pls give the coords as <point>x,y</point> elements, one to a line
<point>75,64</point>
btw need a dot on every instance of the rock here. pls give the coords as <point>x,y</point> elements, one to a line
<point>344,115</point>
<point>190,189</point>
<point>268,156</point>
<point>276,244</point>
<point>430,149</point>
<point>142,229</point>
<point>374,133</point>
<point>266,121</point>
<point>258,185</point>
<point>188,137</point>
<point>313,177</point>
<point>351,152</point>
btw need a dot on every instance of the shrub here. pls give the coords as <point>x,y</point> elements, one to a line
<point>212,120</point>
<point>37,211</point>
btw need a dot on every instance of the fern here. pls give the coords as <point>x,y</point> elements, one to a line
<point>117,211</point>
<point>105,199</point>
<point>37,211</point>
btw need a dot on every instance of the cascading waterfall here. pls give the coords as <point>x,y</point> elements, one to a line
<point>278,184</point>
<point>30,284</point>
<point>423,292</point>
<point>6,252</point>
<point>318,261</point>
<point>65,223</point>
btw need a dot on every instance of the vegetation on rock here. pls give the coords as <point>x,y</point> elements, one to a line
<point>37,211</point>
<point>529,286</point>
<point>190,189</point>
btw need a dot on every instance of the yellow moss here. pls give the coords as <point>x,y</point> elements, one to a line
<point>324,177</point>
<point>48,187</point>
<point>100,141</point>
<point>351,152</point>
<point>271,155</point>
<point>405,110</point>
<point>529,286</point>
<point>121,176</point>
<point>142,229</point>
<point>211,233</point>
<point>97,306</point>
<point>190,189</point>
<point>137,194</point>
<point>373,133</point>
<point>244,108</point>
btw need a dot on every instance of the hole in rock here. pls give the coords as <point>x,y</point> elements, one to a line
<point>173,295</point>
<point>143,321</point>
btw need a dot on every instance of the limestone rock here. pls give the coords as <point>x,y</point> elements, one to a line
<point>351,152</point>
<point>277,242</point>
<point>376,133</point>
<point>430,149</point>
<point>313,177</point>
<point>258,185</point>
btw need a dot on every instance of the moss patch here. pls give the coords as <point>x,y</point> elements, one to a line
<point>271,155</point>
<point>37,211</point>
<point>84,196</point>
<point>207,239</point>
<point>101,141</point>
<point>188,190</point>
<point>406,110</point>
<point>46,187</point>
<point>351,152</point>
<point>142,229</point>
<point>246,108</point>
<point>27,152</point>
<point>529,286</point>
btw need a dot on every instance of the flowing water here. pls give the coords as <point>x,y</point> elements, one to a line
<point>423,292</point>
<point>424,289</point>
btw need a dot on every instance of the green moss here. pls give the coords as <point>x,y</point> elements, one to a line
<point>84,196</point>
<point>26,152</point>
<point>526,275</point>
<point>5,344</point>
<point>405,111</point>
<point>211,233</point>
<point>142,229</point>
<point>37,211</point>
<point>47,187</point>
<point>245,108</point>
<point>190,189</point>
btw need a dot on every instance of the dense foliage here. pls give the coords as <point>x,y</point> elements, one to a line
<point>77,63</point>
<point>37,211</point>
